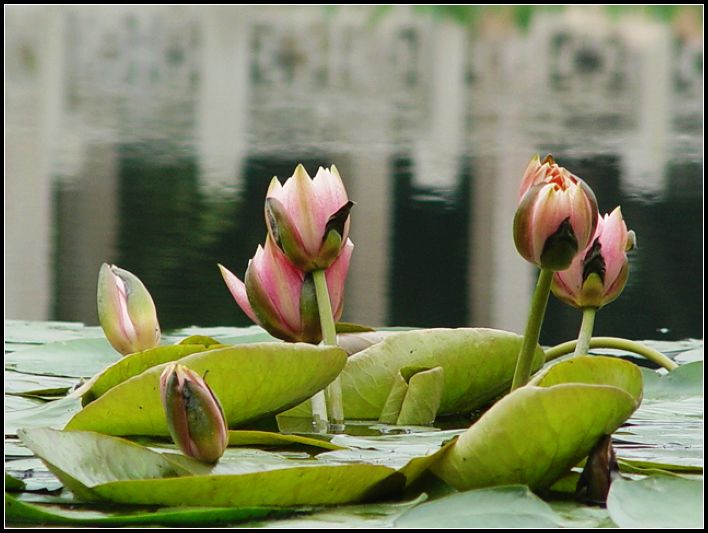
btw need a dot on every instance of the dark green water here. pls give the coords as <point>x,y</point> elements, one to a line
<point>147,138</point>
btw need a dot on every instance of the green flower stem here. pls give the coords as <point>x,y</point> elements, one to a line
<point>320,423</point>
<point>618,344</point>
<point>329,335</point>
<point>585,334</point>
<point>533,328</point>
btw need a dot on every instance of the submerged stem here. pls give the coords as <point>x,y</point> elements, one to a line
<point>585,334</point>
<point>616,343</point>
<point>329,336</point>
<point>533,328</point>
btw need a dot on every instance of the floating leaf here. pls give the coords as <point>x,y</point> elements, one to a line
<point>136,363</point>
<point>682,382</point>
<point>50,414</point>
<point>100,467</point>
<point>19,512</point>
<point>657,502</point>
<point>13,484</point>
<point>478,365</point>
<point>415,397</point>
<point>250,380</point>
<point>76,358</point>
<point>39,332</point>
<point>265,438</point>
<point>83,459</point>
<point>537,433</point>
<point>35,386</point>
<point>499,507</point>
<point>367,515</point>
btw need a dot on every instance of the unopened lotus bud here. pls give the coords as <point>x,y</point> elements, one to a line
<point>195,418</point>
<point>556,217</point>
<point>126,311</point>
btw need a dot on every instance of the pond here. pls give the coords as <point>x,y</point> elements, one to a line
<point>146,137</point>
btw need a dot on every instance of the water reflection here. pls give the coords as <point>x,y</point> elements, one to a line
<point>146,136</point>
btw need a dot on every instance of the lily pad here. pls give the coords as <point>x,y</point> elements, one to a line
<point>50,414</point>
<point>83,459</point>
<point>537,433</point>
<point>34,386</point>
<point>13,484</point>
<point>134,364</point>
<point>250,380</point>
<point>100,467</point>
<point>415,397</point>
<point>266,438</point>
<point>75,358</point>
<point>656,502</point>
<point>499,507</point>
<point>682,382</point>
<point>478,365</point>
<point>19,512</point>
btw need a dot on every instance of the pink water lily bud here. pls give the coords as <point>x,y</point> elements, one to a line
<point>195,418</point>
<point>281,298</point>
<point>309,218</point>
<point>126,311</point>
<point>598,275</point>
<point>556,216</point>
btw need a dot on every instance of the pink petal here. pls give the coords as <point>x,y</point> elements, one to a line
<point>281,281</point>
<point>613,235</point>
<point>533,172</point>
<point>336,275</point>
<point>300,201</point>
<point>238,291</point>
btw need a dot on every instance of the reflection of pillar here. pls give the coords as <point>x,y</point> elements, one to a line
<point>367,289</point>
<point>500,280</point>
<point>33,112</point>
<point>437,157</point>
<point>87,216</point>
<point>644,159</point>
<point>223,93</point>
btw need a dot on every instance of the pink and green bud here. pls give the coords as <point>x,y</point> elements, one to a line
<point>309,218</point>
<point>195,418</point>
<point>126,311</point>
<point>556,217</point>
<point>281,298</point>
<point>598,275</point>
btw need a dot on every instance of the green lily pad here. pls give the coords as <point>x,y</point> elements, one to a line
<point>136,363</point>
<point>499,507</point>
<point>39,332</point>
<point>75,358</point>
<point>13,484</point>
<point>415,397</point>
<point>537,433</point>
<point>478,365</point>
<point>19,512</point>
<point>250,380</point>
<point>266,438</point>
<point>34,386</point>
<point>656,502</point>
<point>367,515</point>
<point>682,382</point>
<point>83,459</point>
<point>100,467</point>
<point>286,487</point>
<point>50,414</point>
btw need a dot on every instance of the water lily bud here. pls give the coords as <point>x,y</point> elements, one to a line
<point>281,298</point>
<point>308,218</point>
<point>598,275</point>
<point>126,311</point>
<point>556,216</point>
<point>195,418</point>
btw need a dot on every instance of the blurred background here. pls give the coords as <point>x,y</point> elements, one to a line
<point>146,136</point>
